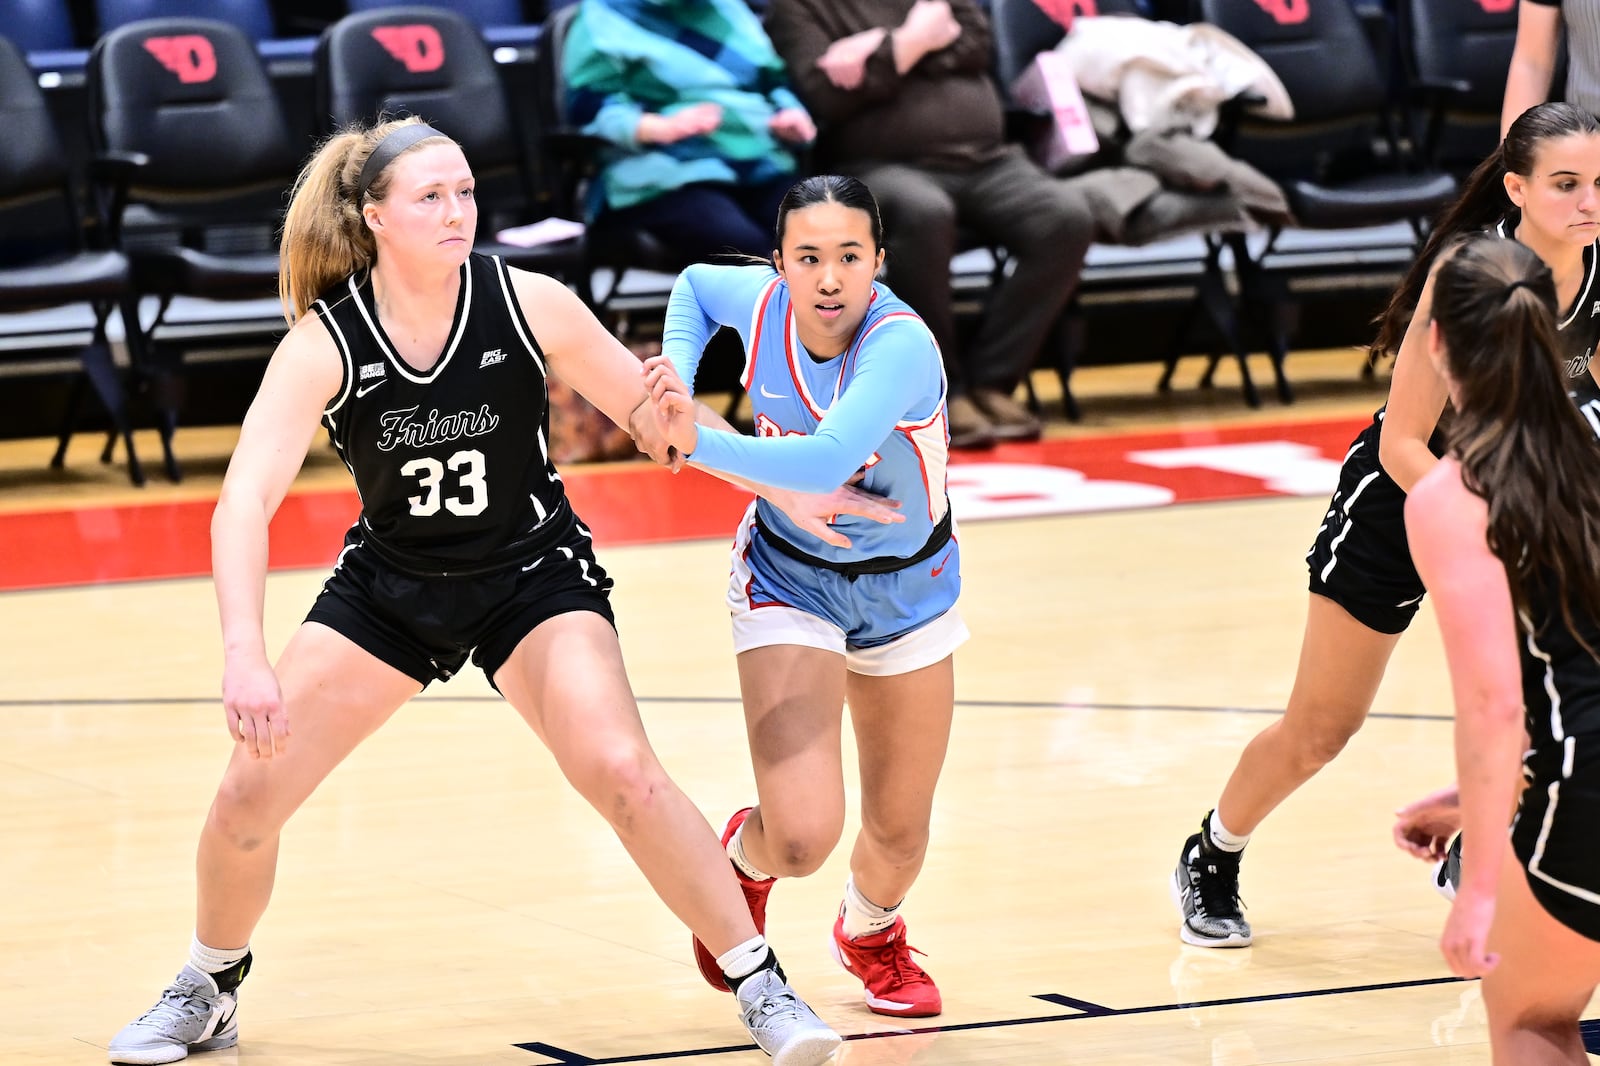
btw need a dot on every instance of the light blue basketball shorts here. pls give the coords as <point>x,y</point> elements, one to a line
<point>883,624</point>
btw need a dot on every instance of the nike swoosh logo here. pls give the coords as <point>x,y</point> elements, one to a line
<point>773,395</point>
<point>222,1023</point>
<point>940,568</point>
<point>366,389</point>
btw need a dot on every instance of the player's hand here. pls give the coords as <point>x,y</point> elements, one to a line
<point>1465,941</point>
<point>650,435</point>
<point>257,717</point>
<point>674,404</point>
<point>1424,828</point>
<point>813,512</point>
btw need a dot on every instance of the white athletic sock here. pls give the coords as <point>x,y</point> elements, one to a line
<point>862,917</point>
<point>744,960</point>
<point>214,960</point>
<point>1222,838</point>
<point>736,856</point>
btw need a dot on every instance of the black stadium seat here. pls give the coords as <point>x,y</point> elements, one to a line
<point>185,104</point>
<point>431,62</point>
<point>48,260</point>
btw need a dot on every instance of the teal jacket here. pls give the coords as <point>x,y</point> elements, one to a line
<point>624,58</point>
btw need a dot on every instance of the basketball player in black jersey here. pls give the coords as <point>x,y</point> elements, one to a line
<point>427,366</point>
<point>1505,530</point>
<point>1542,188</point>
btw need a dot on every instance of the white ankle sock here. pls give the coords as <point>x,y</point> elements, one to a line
<point>1224,840</point>
<point>862,917</point>
<point>746,959</point>
<point>736,856</point>
<point>214,960</point>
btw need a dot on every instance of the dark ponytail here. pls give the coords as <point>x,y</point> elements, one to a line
<point>1521,443</point>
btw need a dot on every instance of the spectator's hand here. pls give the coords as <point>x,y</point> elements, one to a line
<point>694,121</point>
<point>254,704</point>
<point>845,61</point>
<point>650,435</point>
<point>793,125</point>
<point>1465,941</point>
<point>813,513</point>
<point>1424,828</point>
<point>674,403</point>
<point>932,23</point>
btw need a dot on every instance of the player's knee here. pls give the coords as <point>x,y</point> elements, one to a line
<point>236,816</point>
<point>898,845</point>
<point>1543,1027</point>
<point>1319,745</point>
<point>625,785</point>
<point>798,850</point>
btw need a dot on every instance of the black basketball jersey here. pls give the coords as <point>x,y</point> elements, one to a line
<point>1560,679</point>
<point>452,463</point>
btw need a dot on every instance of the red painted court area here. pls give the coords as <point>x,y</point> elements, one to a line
<point>637,503</point>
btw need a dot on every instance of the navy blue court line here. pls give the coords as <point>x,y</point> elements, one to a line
<point>1083,1009</point>
<point>1182,708</point>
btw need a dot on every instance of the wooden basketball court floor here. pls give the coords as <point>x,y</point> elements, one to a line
<point>446,899</point>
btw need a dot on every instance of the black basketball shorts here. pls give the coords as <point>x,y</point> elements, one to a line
<point>427,626</point>
<point>1361,559</point>
<point>1554,836</point>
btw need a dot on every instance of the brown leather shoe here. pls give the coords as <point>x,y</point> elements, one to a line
<point>969,427</point>
<point>1010,420</point>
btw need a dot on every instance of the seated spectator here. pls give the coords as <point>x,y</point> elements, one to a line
<point>907,103</point>
<point>693,96</point>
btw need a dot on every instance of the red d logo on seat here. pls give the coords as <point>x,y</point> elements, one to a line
<point>1288,12</point>
<point>189,56</point>
<point>1496,7</point>
<point>419,47</point>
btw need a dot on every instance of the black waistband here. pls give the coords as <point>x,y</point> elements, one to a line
<point>882,564</point>
<point>558,528</point>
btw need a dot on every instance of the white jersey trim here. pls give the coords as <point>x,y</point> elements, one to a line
<point>401,367</point>
<point>1333,549</point>
<point>326,314</point>
<point>758,318</point>
<point>1538,851</point>
<point>524,331</point>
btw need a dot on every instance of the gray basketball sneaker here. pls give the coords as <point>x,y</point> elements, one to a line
<point>782,1025</point>
<point>1205,886</point>
<point>192,1015</point>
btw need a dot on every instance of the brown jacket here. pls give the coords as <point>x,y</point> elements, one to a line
<point>945,112</point>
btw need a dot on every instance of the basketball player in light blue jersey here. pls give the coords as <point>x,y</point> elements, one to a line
<point>846,383</point>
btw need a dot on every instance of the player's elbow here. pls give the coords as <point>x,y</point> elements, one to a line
<point>1490,706</point>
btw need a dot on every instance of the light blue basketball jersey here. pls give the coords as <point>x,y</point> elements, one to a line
<point>793,393</point>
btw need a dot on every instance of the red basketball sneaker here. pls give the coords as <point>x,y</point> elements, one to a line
<point>896,985</point>
<point>755,895</point>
